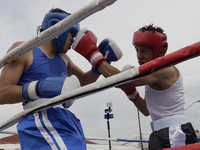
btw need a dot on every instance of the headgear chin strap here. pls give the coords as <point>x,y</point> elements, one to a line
<point>52,18</point>
<point>156,40</point>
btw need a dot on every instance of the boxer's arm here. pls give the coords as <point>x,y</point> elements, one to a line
<point>49,87</point>
<point>110,50</point>
<point>131,92</point>
<point>85,45</point>
<point>140,103</point>
<point>84,77</point>
<point>165,78</point>
<point>10,92</point>
<point>107,70</point>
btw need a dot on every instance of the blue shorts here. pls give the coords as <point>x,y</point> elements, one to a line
<point>51,129</point>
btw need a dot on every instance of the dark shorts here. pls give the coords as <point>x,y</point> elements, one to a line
<point>172,136</point>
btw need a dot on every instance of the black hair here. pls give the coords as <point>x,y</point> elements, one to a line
<point>151,28</point>
<point>58,10</point>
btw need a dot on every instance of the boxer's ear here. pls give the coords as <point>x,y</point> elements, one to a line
<point>163,51</point>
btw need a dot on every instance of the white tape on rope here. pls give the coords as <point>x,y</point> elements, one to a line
<point>55,30</point>
<point>8,132</point>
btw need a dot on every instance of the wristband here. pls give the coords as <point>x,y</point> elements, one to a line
<point>131,93</point>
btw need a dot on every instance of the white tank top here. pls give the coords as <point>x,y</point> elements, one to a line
<point>165,103</point>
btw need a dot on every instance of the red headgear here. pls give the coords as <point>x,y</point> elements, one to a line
<point>157,40</point>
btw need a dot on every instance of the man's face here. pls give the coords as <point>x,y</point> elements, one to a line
<point>69,42</point>
<point>144,53</point>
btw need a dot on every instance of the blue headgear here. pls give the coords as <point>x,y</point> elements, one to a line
<point>52,18</point>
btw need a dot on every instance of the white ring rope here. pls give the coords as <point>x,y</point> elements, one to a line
<point>55,30</point>
<point>115,139</point>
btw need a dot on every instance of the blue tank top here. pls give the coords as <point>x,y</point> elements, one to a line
<point>43,67</point>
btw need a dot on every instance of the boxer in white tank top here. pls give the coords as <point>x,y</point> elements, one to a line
<point>164,92</point>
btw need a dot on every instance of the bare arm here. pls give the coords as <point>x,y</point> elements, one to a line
<point>108,70</point>
<point>10,92</point>
<point>161,80</point>
<point>84,78</point>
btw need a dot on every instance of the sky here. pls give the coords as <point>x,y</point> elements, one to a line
<point>179,19</point>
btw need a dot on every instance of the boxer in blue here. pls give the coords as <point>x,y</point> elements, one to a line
<point>43,73</point>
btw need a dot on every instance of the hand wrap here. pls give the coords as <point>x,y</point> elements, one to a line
<point>131,93</point>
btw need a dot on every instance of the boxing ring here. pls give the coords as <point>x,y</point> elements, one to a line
<point>135,73</point>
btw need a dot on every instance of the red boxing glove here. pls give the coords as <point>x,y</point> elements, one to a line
<point>131,93</point>
<point>85,44</point>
